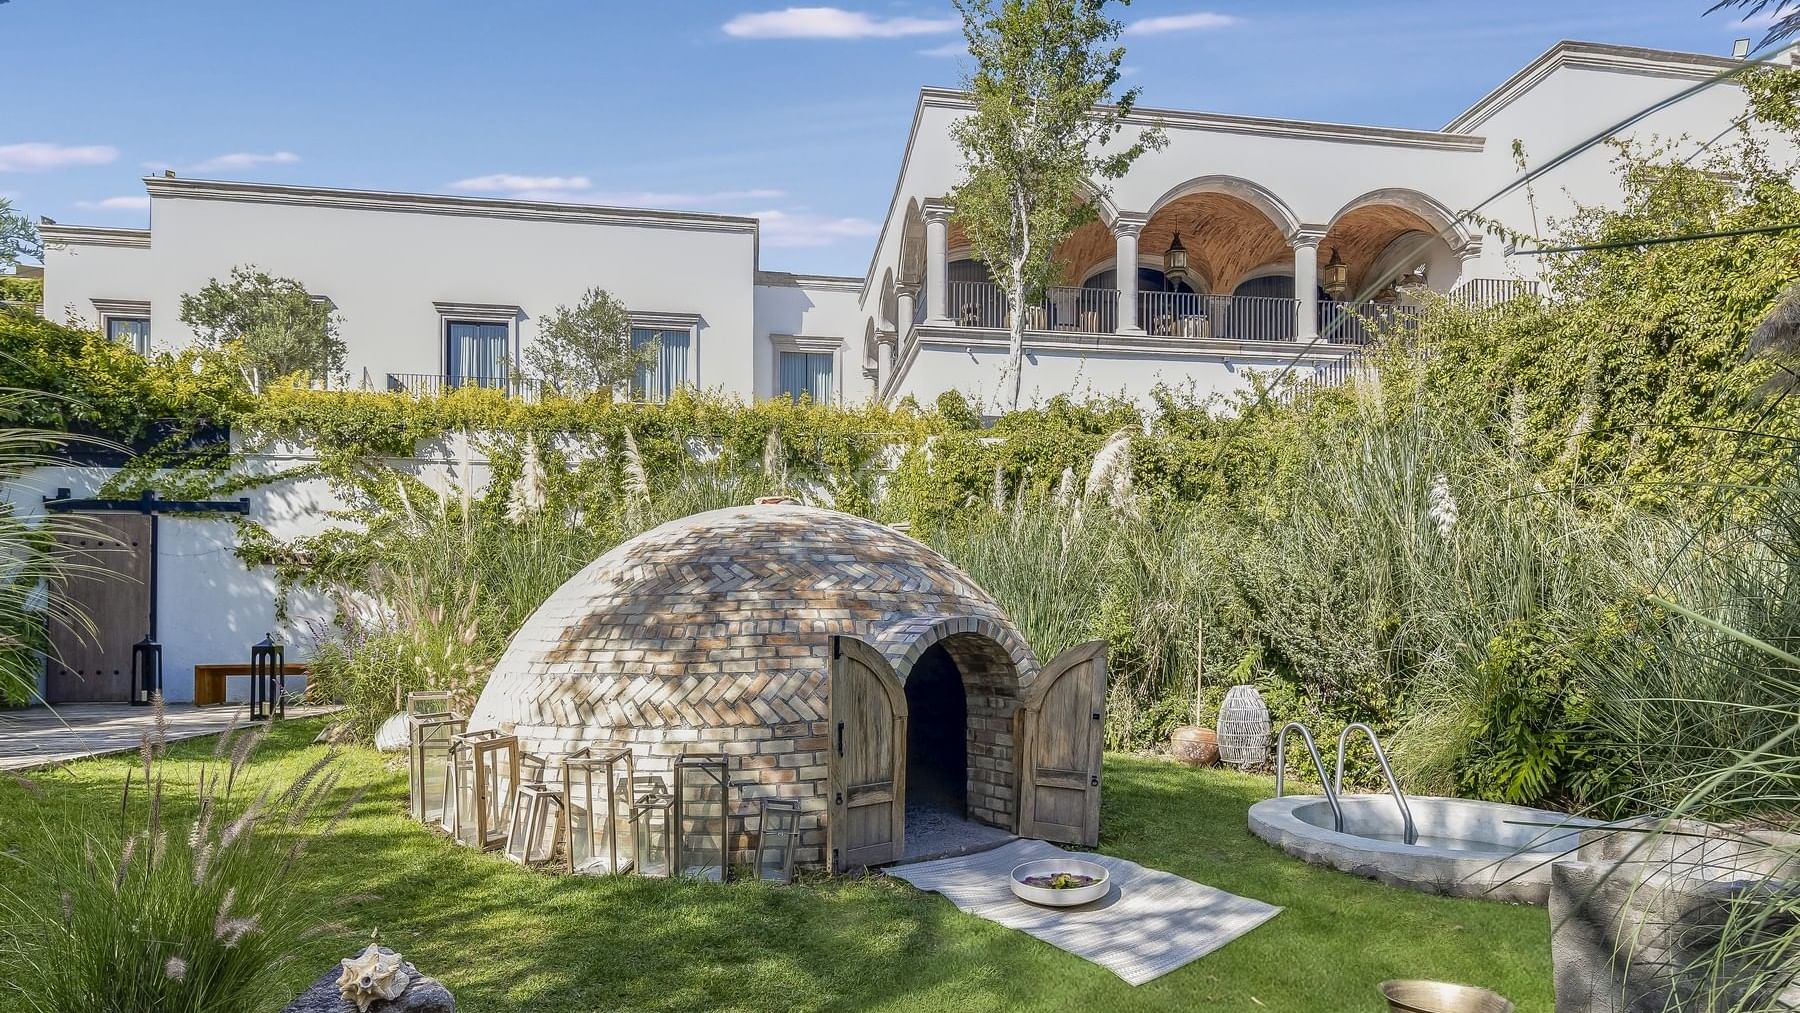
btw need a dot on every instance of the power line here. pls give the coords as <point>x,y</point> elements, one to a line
<point>1625,244</point>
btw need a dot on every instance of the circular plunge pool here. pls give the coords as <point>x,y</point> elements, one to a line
<point>1465,848</point>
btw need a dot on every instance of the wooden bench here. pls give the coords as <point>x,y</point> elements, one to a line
<point>209,680</point>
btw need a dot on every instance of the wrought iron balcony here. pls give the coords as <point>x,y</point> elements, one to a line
<point>433,384</point>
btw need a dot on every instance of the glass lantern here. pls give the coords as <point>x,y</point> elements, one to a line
<point>480,780</point>
<point>428,702</point>
<point>428,745</point>
<point>597,809</point>
<point>703,816</point>
<point>777,834</point>
<point>537,823</point>
<point>653,832</point>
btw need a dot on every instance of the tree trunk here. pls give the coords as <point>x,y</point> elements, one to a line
<point>1015,350</point>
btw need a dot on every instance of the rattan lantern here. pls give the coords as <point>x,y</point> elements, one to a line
<point>777,833</point>
<point>483,774</point>
<point>268,680</point>
<point>1243,727</point>
<point>597,810</point>
<point>653,831</point>
<point>146,671</point>
<point>702,811</point>
<point>428,770</point>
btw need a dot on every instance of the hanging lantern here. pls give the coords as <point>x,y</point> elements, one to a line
<point>1243,727</point>
<point>703,815</point>
<point>1334,277</point>
<point>428,769</point>
<point>1175,262</point>
<point>597,810</point>
<point>481,777</point>
<point>146,671</point>
<point>777,834</point>
<point>268,680</point>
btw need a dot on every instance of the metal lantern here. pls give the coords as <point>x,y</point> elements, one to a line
<point>777,833</point>
<point>1175,262</point>
<point>1243,727</point>
<point>597,809</point>
<point>428,702</point>
<point>146,671</point>
<point>653,831</point>
<point>537,822</point>
<point>1334,277</point>
<point>428,770</point>
<point>478,790</point>
<point>703,816</point>
<point>268,680</point>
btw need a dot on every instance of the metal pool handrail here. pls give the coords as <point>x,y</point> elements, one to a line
<point>1411,831</point>
<point>1312,749</point>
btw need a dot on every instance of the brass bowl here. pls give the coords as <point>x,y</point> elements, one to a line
<point>1442,997</point>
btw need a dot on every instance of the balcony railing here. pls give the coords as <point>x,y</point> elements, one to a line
<point>433,384</point>
<point>1484,292</point>
<point>1353,324</point>
<point>1231,317</point>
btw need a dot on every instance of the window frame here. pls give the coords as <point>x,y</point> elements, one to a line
<point>477,313</point>
<point>125,309</point>
<point>689,322</point>
<point>809,345</point>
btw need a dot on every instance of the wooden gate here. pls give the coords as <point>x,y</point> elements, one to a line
<point>110,585</point>
<point>1061,732</point>
<point>868,758</point>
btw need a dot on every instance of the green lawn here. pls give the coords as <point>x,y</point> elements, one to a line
<point>505,938</point>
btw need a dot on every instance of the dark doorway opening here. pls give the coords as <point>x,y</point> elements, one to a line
<point>937,763</point>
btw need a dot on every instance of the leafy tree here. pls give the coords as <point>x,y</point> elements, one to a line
<point>278,328</point>
<point>1040,144</point>
<point>1784,16</point>
<point>586,348</point>
<point>18,237</point>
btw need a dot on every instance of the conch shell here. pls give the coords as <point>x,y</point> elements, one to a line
<point>372,976</point>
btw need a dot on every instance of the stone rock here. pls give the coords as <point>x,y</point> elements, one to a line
<point>423,995</point>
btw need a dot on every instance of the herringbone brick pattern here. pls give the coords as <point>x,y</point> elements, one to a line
<point>713,632</point>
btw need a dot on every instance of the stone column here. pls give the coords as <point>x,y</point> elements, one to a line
<point>1306,283</point>
<point>884,361</point>
<point>937,262</point>
<point>906,294</point>
<point>1125,271</point>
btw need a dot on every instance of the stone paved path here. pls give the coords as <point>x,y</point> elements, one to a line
<point>46,736</point>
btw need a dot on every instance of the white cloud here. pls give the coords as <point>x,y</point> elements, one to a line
<point>831,23</point>
<point>679,199</point>
<point>116,204</point>
<point>948,50</point>
<point>1199,21</point>
<point>239,160</point>
<point>799,229</point>
<point>512,183</point>
<point>33,156</point>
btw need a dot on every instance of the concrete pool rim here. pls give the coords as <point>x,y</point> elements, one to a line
<point>1518,871</point>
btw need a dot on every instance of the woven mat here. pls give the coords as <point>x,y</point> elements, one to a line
<point>1149,924</point>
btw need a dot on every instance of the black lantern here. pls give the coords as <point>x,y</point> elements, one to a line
<point>1175,262</point>
<point>146,671</point>
<point>1334,277</point>
<point>268,681</point>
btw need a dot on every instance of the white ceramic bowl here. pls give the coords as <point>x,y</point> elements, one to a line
<point>1059,898</point>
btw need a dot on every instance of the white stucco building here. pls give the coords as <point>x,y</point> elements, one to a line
<point>1282,223</point>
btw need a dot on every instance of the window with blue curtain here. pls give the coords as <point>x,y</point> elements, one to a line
<point>478,354</point>
<point>807,373</point>
<point>132,331</point>
<point>671,366</point>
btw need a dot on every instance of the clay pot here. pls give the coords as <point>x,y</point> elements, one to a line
<point>1195,746</point>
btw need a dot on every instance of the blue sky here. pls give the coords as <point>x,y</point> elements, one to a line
<point>794,114</point>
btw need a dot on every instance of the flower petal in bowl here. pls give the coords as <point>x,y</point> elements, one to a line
<point>1050,896</point>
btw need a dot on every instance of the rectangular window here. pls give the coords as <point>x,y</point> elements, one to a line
<point>807,373</point>
<point>133,331</point>
<point>478,354</point>
<point>668,369</point>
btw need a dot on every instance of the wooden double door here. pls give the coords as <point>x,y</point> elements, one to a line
<point>1058,735</point>
<point>109,584</point>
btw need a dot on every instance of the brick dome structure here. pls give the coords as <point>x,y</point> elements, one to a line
<point>826,654</point>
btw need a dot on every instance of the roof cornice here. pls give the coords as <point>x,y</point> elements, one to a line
<point>177,188</point>
<point>94,235</point>
<point>1592,56</point>
<point>832,282</point>
<point>1265,126</point>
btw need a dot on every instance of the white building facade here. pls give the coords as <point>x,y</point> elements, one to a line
<point>1284,226</point>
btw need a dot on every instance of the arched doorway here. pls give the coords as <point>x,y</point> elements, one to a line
<point>937,748</point>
